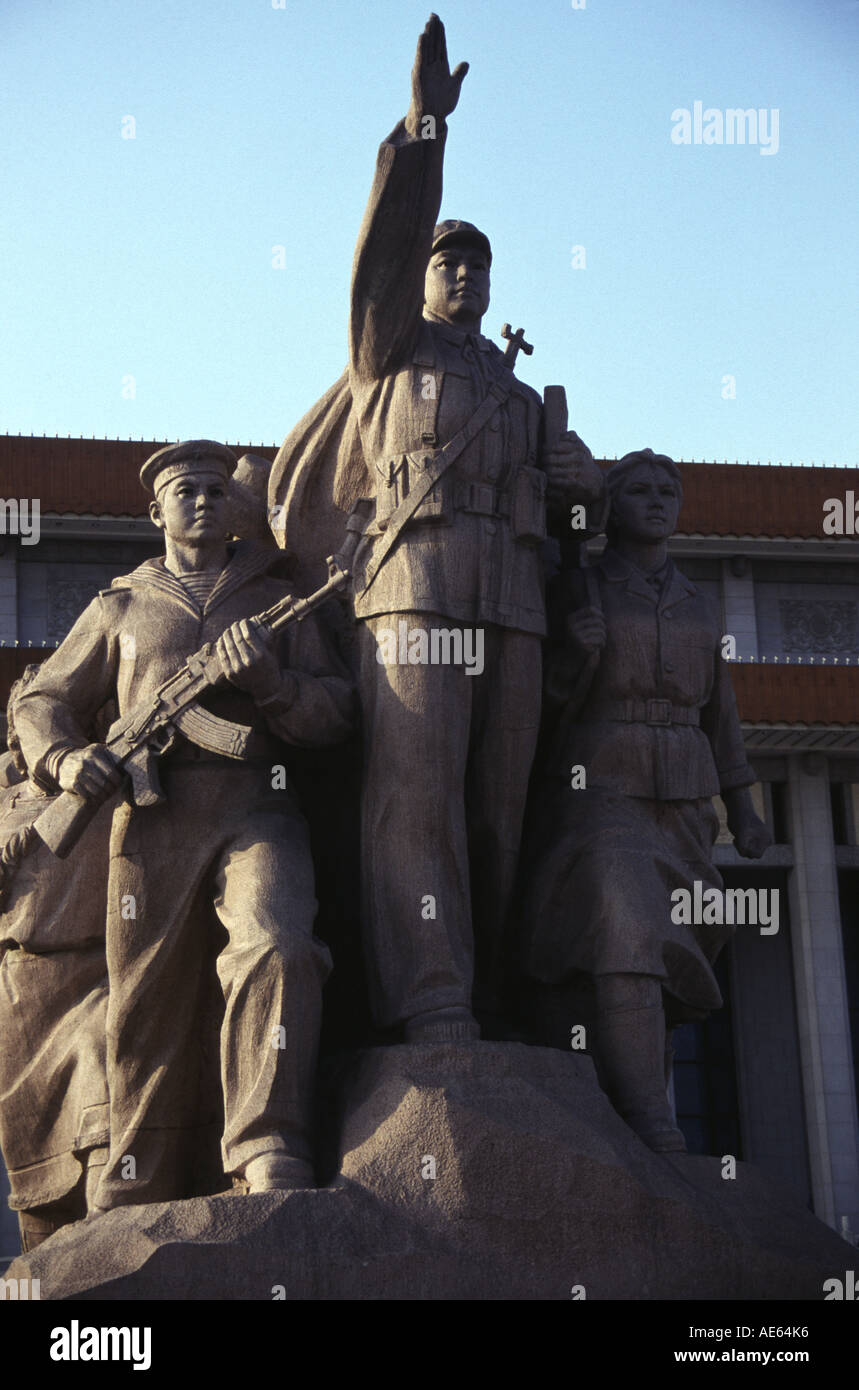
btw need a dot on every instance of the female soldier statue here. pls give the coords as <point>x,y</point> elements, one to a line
<point>647,717</point>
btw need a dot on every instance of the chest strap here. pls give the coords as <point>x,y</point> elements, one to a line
<point>437,464</point>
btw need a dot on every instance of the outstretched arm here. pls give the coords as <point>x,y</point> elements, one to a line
<point>395,239</point>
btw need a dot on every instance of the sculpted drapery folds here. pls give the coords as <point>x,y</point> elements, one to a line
<point>54,1129</point>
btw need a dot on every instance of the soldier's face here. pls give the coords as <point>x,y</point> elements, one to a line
<point>193,508</point>
<point>457,285</point>
<point>647,506</point>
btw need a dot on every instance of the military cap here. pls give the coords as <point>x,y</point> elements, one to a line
<point>452,230</point>
<point>184,457</point>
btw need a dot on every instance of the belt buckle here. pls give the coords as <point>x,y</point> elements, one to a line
<point>483,498</point>
<point>659,712</point>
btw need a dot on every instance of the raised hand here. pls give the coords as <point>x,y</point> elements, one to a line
<point>435,89</point>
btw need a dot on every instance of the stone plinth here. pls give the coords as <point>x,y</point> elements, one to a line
<point>538,1187</point>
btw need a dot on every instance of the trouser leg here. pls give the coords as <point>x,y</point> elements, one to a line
<point>503,739</point>
<point>155,965</point>
<point>216,841</point>
<point>669,1055</point>
<point>630,1056</point>
<point>415,875</point>
<point>272,971</point>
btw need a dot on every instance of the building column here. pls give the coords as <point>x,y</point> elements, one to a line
<point>8,591</point>
<point>821,997</point>
<point>738,599</point>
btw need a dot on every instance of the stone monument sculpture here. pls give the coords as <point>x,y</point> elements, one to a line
<point>222,836</point>
<point>431,423</point>
<point>54,1129</point>
<point>646,723</point>
<point>458,1166</point>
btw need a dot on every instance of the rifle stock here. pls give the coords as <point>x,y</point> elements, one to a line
<point>62,824</point>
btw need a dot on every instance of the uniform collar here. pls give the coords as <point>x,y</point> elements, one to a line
<point>247,559</point>
<point>675,587</point>
<point>458,337</point>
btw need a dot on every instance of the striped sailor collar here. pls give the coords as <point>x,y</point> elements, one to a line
<point>247,560</point>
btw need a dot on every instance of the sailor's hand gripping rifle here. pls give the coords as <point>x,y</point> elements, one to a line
<point>149,730</point>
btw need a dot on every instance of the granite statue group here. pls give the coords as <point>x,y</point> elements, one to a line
<point>162,985</point>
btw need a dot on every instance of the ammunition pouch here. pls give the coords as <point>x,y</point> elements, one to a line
<point>423,481</point>
<point>524,505</point>
<point>528,509</point>
<point>482,499</point>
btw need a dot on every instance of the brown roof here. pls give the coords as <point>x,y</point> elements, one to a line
<point>100,476</point>
<point>781,693</point>
<point>729,499</point>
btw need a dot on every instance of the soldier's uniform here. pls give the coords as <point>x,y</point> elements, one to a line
<point>447,755</point>
<point>659,736</point>
<point>224,838</point>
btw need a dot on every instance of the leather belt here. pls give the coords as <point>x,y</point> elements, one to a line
<point>483,499</point>
<point>660,713</point>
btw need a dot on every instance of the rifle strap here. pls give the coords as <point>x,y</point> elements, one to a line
<point>439,463</point>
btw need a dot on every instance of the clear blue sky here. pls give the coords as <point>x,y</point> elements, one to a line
<point>258,127</point>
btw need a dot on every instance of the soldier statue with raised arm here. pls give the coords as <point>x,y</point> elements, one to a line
<point>432,424</point>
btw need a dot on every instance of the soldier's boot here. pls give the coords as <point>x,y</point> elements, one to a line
<point>442,1025</point>
<point>274,1172</point>
<point>631,1058</point>
<point>40,1222</point>
<point>34,1227</point>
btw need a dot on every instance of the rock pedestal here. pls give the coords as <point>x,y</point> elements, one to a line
<point>465,1171</point>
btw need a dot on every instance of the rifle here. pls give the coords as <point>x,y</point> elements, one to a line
<point>149,730</point>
